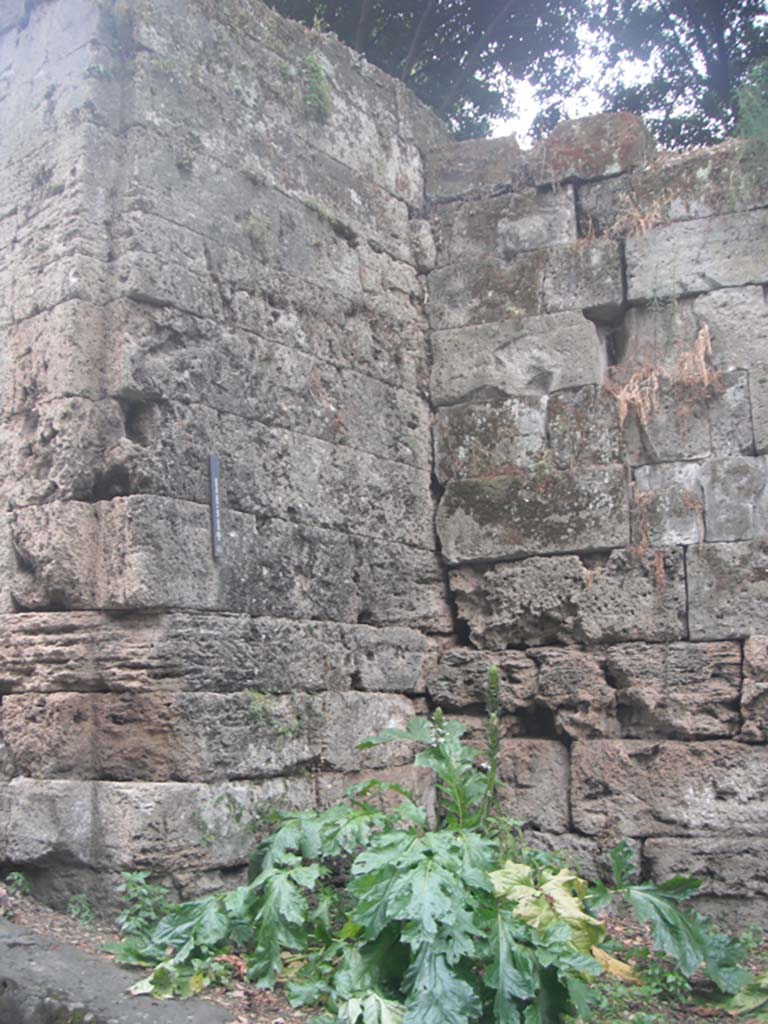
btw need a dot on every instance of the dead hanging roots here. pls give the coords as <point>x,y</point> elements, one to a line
<point>693,379</point>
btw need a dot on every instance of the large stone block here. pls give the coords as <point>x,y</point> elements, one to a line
<point>460,679</point>
<point>476,439</point>
<point>202,737</point>
<point>123,826</point>
<point>474,167</point>
<point>535,781</point>
<point>147,552</point>
<point>754,694</point>
<point>680,690</point>
<point>737,319</point>
<point>676,186</point>
<point>82,450</point>
<point>667,788</point>
<point>534,511</point>
<point>728,590</point>
<point>48,652</point>
<point>688,420</point>
<point>592,147</point>
<point>504,226</point>
<point>698,256</point>
<point>533,355</point>
<point>668,504</point>
<point>563,600</point>
<point>584,275</point>
<point>573,689</point>
<point>583,427</point>
<point>487,291</point>
<point>735,499</point>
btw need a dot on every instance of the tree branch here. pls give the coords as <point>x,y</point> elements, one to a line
<point>467,68</point>
<point>361,33</point>
<point>410,59</point>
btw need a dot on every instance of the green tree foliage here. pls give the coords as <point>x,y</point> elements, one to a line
<point>698,53</point>
<point>462,57</point>
<point>456,55</point>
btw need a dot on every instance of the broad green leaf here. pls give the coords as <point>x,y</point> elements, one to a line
<point>622,864</point>
<point>437,992</point>
<point>673,931</point>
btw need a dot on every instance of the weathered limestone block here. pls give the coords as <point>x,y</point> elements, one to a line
<point>47,652</point>
<point>86,450</point>
<point>460,679</point>
<point>644,788</point>
<point>58,353</point>
<point>668,504</point>
<point>698,256</point>
<point>7,563</point>
<point>735,499</point>
<point>535,776</point>
<point>676,186</point>
<point>583,427</point>
<point>504,226</point>
<point>487,291</point>
<point>191,737</point>
<point>534,511</point>
<point>692,422</point>
<point>584,275</point>
<point>532,355</point>
<point>485,438</point>
<point>128,825</point>
<point>728,590</point>
<point>679,690</point>
<point>395,659</point>
<point>591,147</point>
<point>573,688</point>
<point>474,167</point>
<point>344,720</point>
<point>562,600</point>
<point>754,695</point>
<point>147,552</point>
<point>397,584</point>
<point>737,319</point>
<point>734,870</point>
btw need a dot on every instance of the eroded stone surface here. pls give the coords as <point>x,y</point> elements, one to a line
<point>476,166</point>
<point>535,777</point>
<point>754,696</point>
<point>563,600</point>
<point>678,690</point>
<point>728,590</point>
<point>592,147</point>
<point>533,355</point>
<point>533,511</point>
<point>460,679</point>
<point>476,439</point>
<point>645,788</point>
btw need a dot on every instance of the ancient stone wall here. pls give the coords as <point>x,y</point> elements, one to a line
<point>599,337</point>
<point>221,234</point>
<point>192,264</point>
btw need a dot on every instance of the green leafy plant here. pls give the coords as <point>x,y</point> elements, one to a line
<point>17,884</point>
<point>145,903</point>
<point>318,103</point>
<point>376,917</point>
<point>80,909</point>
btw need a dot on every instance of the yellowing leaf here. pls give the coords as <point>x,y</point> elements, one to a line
<point>615,967</point>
